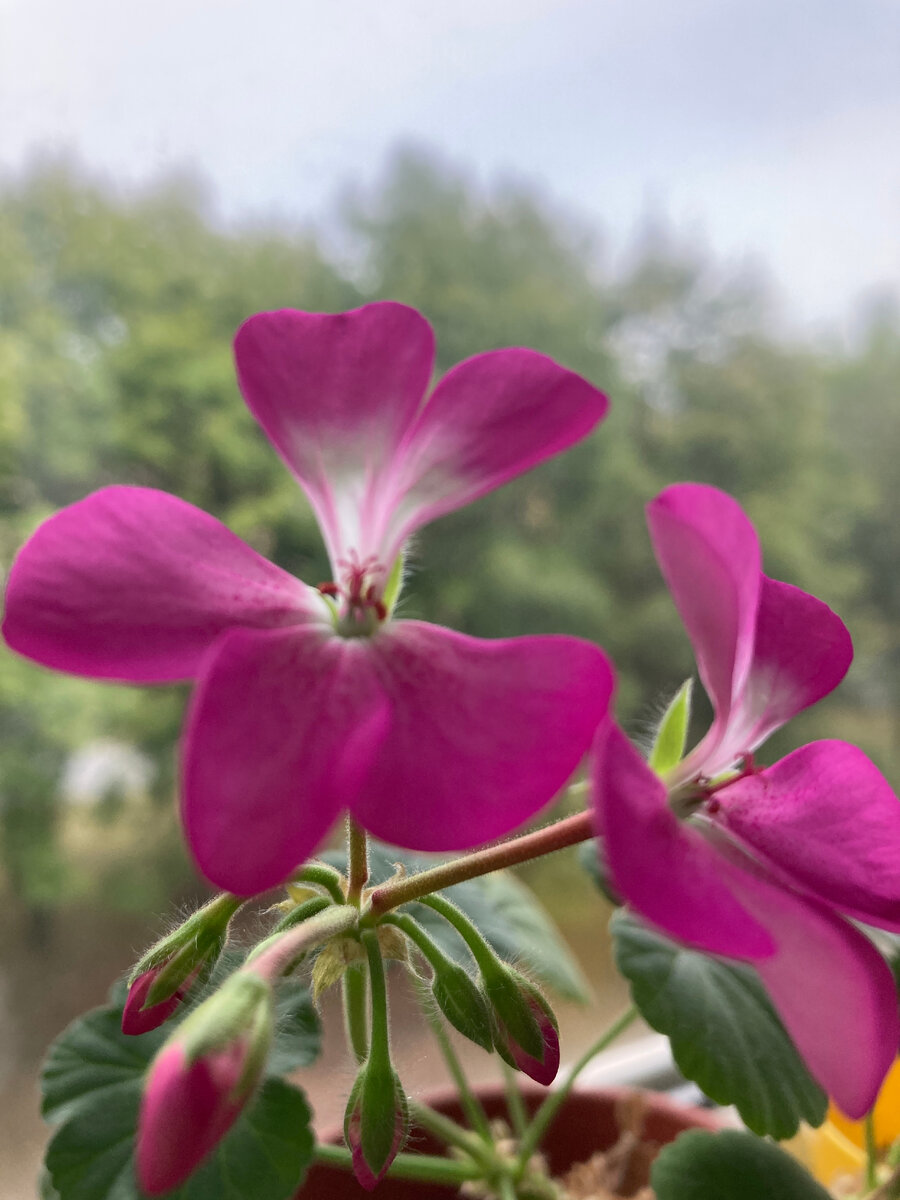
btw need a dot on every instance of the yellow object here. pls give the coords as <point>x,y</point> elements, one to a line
<point>827,1154</point>
<point>887,1114</point>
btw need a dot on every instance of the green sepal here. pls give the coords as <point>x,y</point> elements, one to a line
<point>204,931</point>
<point>462,1003</point>
<point>243,1004</point>
<point>376,1120</point>
<point>671,737</point>
<point>394,583</point>
<point>508,993</point>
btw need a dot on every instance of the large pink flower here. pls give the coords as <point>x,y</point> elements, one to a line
<point>306,705</point>
<point>757,865</point>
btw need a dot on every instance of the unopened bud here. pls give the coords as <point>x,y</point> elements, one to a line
<point>138,1016</point>
<point>177,963</point>
<point>526,1032</point>
<point>460,1000</point>
<point>201,1080</point>
<point>376,1122</point>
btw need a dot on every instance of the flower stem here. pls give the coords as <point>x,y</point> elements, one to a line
<point>379,1041</point>
<point>545,1114</point>
<point>323,876</point>
<point>428,1168</point>
<point>354,989</point>
<point>278,953</point>
<point>567,832</point>
<point>514,1102</point>
<point>467,1098</point>
<point>452,1134</point>
<point>871,1151</point>
<point>357,861</point>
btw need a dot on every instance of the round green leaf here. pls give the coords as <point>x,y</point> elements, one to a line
<point>730,1166</point>
<point>725,1034</point>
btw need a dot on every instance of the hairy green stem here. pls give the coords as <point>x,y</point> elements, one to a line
<point>428,1168</point>
<point>567,832</point>
<point>323,876</point>
<point>515,1105</point>
<point>452,1134</point>
<point>871,1151</point>
<point>357,861</point>
<point>379,1039</point>
<point>467,1098</point>
<point>278,953</point>
<point>481,950</point>
<point>356,1027</point>
<point>544,1116</point>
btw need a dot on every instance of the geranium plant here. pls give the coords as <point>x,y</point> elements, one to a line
<point>757,905</point>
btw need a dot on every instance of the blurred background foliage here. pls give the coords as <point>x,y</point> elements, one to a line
<point>116,317</point>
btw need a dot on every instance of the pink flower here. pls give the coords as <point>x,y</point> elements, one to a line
<point>306,706</point>
<point>757,865</point>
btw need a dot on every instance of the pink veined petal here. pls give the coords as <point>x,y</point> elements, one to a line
<point>828,820</point>
<point>802,652</point>
<point>665,870</point>
<point>282,728</point>
<point>136,585</point>
<point>482,734</point>
<point>335,394</point>
<point>709,553</point>
<point>489,419</point>
<point>832,989</point>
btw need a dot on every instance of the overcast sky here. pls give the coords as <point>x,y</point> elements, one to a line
<point>771,125</point>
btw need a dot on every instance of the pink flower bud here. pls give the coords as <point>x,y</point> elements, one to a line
<point>138,1019</point>
<point>542,1070</point>
<point>376,1123</point>
<point>187,1108</point>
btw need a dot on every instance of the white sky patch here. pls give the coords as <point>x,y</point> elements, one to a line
<point>771,124</point>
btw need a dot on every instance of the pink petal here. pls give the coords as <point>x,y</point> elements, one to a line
<point>832,989</point>
<point>827,818</point>
<point>802,652</point>
<point>709,554</point>
<point>482,734</point>
<point>335,395</point>
<point>489,419</point>
<point>282,729</point>
<point>136,585</point>
<point>662,868</point>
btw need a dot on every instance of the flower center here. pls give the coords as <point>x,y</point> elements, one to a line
<point>359,594</point>
<point>700,792</point>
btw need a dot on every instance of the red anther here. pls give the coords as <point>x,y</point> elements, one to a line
<point>380,609</point>
<point>329,589</point>
<point>370,594</point>
<point>713,805</point>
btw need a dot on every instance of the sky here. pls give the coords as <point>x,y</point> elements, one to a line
<point>770,129</point>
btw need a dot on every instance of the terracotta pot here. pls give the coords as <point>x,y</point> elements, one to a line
<point>586,1123</point>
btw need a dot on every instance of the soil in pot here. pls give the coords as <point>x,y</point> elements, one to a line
<point>590,1122</point>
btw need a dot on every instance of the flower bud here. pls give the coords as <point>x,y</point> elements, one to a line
<point>526,1032</point>
<point>200,1081</point>
<point>171,968</point>
<point>376,1122</point>
<point>460,1000</point>
<point>138,1016</point>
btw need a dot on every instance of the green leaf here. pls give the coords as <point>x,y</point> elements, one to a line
<point>668,748</point>
<point>298,1034</point>
<point>725,1034</point>
<point>92,1084</point>
<point>502,907</point>
<point>729,1166</point>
